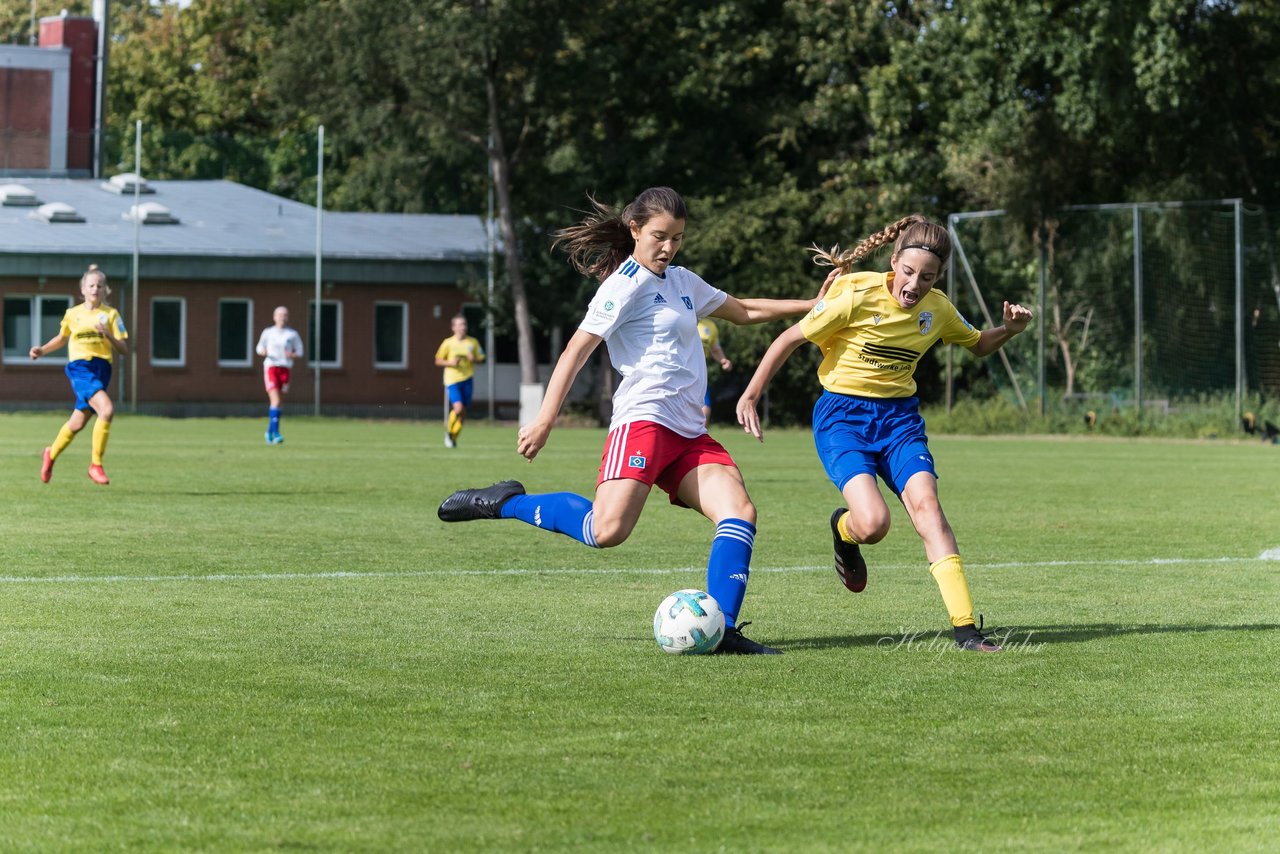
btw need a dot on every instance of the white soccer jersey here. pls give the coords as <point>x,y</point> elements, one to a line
<point>275,342</point>
<point>650,323</point>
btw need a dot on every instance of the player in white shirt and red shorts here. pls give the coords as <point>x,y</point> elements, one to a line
<point>648,311</point>
<point>278,345</point>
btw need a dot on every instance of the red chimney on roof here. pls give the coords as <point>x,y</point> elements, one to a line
<point>81,36</point>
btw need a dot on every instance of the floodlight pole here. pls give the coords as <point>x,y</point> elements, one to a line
<point>488,313</point>
<point>102,15</point>
<point>1238,210</point>
<point>951,295</point>
<point>1041,342</point>
<point>137,223</point>
<point>1137,313</point>
<point>315,345</point>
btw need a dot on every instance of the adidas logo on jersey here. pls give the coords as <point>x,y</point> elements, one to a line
<point>657,298</point>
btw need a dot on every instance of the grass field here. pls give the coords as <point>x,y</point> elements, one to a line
<point>242,647</point>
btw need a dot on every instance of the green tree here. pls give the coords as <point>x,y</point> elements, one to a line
<point>195,77</point>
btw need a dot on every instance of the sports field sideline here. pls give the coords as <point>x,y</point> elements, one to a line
<point>235,646</point>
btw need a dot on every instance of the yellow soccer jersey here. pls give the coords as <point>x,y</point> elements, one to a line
<point>710,335</point>
<point>83,340</point>
<point>870,344</point>
<point>467,352</point>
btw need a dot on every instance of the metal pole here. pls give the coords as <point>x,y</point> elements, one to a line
<point>1041,344</point>
<point>137,224</point>
<point>488,317</point>
<point>102,14</point>
<point>1238,204</point>
<point>951,295</point>
<point>315,345</point>
<point>1137,312</point>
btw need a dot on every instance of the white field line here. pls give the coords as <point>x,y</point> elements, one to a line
<point>1268,555</point>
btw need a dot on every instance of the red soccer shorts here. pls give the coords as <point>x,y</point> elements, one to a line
<point>275,377</point>
<point>653,454</point>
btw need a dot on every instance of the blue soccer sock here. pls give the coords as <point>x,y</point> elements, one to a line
<point>729,566</point>
<point>563,512</point>
<point>273,420</point>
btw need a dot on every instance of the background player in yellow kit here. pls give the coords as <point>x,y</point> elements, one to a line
<point>457,355</point>
<point>92,331</point>
<point>872,329</point>
<point>711,349</point>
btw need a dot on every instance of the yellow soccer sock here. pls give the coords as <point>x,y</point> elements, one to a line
<point>60,444</point>
<point>949,573</point>
<point>100,430</point>
<point>842,525</point>
<point>455,423</point>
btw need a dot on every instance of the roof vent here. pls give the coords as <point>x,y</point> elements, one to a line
<point>150,213</point>
<point>57,212</point>
<point>17,196</point>
<point>125,183</point>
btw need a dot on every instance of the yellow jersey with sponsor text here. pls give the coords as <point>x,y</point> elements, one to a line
<point>710,335</point>
<point>84,341</point>
<point>871,344</point>
<point>467,352</point>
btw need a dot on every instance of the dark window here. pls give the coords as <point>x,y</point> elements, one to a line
<point>29,321</point>
<point>389,329</point>
<point>331,333</point>
<point>168,330</point>
<point>234,343</point>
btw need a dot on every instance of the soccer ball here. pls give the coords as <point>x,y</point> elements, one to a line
<point>689,622</point>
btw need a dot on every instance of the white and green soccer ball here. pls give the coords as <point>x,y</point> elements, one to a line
<point>689,622</point>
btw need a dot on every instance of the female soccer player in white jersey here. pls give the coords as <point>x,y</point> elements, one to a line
<point>647,310</point>
<point>872,329</point>
<point>278,345</point>
<point>93,331</point>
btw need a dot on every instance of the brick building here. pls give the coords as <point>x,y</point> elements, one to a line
<point>215,259</point>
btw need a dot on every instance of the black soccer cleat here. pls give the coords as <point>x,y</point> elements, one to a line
<point>850,566</point>
<point>736,643</point>
<point>468,504</point>
<point>971,639</point>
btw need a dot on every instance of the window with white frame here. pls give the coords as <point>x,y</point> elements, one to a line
<point>391,335</point>
<point>30,321</point>
<point>329,353</point>
<point>169,332</point>
<point>235,333</point>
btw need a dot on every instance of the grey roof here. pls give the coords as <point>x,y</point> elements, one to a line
<point>222,219</point>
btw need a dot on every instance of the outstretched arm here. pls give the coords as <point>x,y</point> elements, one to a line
<point>748,311</point>
<point>52,344</point>
<point>779,351</point>
<point>534,435</point>
<point>717,353</point>
<point>1016,318</point>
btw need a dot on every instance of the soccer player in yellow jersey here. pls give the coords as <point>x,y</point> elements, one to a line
<point>711,349</point>
<point>93,331</point>
<point>457,355</point>
<point>872,329</point>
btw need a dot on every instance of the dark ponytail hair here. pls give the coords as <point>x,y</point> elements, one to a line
<point>602,240</point>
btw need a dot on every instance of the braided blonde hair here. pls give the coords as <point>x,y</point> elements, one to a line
<point>910,232</point>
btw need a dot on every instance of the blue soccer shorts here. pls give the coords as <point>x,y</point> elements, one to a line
<point>460,392</point>
<point>864,435</point>
<point>88,377</point>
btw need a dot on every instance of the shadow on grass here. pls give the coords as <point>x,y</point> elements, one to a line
<point>1014,637</point>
